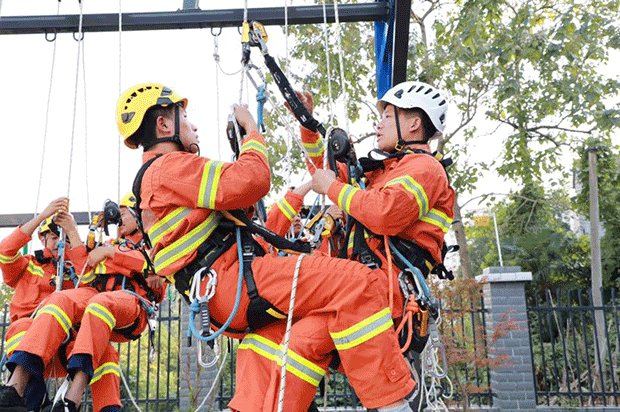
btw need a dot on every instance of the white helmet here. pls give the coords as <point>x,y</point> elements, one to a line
<point>409,95</point>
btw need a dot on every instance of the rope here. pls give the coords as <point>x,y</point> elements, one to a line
<point>90,217</point>
<point>287,337</point>
<point>77,79</point>
<point>216,58</point>
<point>329,70</point>
<point>120,71</point>
<point>340,62</point>
<point>133,401</point>
<point>47,112</point>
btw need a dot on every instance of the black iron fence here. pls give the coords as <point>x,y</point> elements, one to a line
<point>575,348</point>
<point>154,382</point>
<point>462,332</point>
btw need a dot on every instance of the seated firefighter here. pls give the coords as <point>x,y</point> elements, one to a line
<point>407,201</point>
<point>185,199</point>
<point>114,307</point>
<point>33,277</point>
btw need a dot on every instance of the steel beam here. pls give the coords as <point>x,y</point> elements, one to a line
<point>14,220</point>
<point>192,19</point>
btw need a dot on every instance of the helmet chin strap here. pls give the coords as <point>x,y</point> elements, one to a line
<point>176,138</point>
<point>402,143</point>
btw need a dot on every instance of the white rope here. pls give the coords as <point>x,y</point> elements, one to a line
<point>47,112</point>
<point>120,90</point>
<point>77,79</point>
<point>341,63</point>
<point>133,401</point>
<point>287,336</point>
<point>329,69</point>
<point>86,135</point>
<point>216,58</point>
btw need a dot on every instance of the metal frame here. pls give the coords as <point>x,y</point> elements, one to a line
<point>191,19</point>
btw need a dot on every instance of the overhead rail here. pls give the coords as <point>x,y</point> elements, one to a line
<point>17,219</point>
<point>193,18</point>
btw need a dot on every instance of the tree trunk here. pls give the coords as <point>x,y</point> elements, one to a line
<point>461,240</point>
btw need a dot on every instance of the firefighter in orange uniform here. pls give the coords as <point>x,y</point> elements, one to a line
<point>33,279</point>
<point>115,267</point>
<point>407,196</point>
<point>183,197</point>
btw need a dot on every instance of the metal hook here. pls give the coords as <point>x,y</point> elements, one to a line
<point>240,30</point>
<point>218,33</point>
<point>53,39</point>
<point>81,37</point>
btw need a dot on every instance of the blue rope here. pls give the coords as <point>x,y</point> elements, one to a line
<point>149,310</point>
<point>261,98</point>
<point>195,308</point>
<point>414,270</point>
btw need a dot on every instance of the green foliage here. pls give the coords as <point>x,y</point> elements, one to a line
<point>534,236</point>
<point>608,168</point>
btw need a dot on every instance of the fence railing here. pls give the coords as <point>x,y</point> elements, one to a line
<point>153,383</point>
<point>575,363</point>
<point>460,328</point>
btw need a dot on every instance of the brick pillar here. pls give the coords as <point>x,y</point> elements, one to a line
<point>504,299</point>
<point>195,381</point>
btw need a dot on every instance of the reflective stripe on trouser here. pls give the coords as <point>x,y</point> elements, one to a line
<point>348,294</point>
<point>253,371</point>
<point>314,347</point>
<point>117,308</point>
<point>105,392</point>
<point>60,311</point>
<point>105,384</point>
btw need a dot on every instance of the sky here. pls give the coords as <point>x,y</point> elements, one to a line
<point>86,167</point>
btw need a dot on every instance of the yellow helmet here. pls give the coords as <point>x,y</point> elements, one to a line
<point>135,101</point>
<point>48,225</point>
<point>129,200</point>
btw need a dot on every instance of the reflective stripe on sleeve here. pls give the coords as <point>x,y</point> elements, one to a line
<point>315,149</point>
<point>35,269</point>
<point>346,196</point>
<point>254,145</point>
<point>8,259</point>
<point>286,209</point>
<point>209,183</point>
<point>437,218</point>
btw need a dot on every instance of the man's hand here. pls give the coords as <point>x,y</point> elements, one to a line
<point>155,282</point>
<point>335,212</point>
<point>322,180</point>
<point>62,203</point>
<point>99,254</point>
<point>306,100</point>
<point>244,118</point>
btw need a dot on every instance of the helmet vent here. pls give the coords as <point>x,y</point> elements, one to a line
<point>436,96</point>
<point>410,89</point>
<point>134,94</point>
<point>141,89</point>
<point>399,93</point>
<point>166,91</point>
<point>126,117</point>
<point>442,102</point>
<point>442,118</point>
<point>419,88</point>
<point>428,91</point>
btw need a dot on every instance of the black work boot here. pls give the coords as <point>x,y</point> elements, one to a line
<point>10,401</point>
<point>65,405</point>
